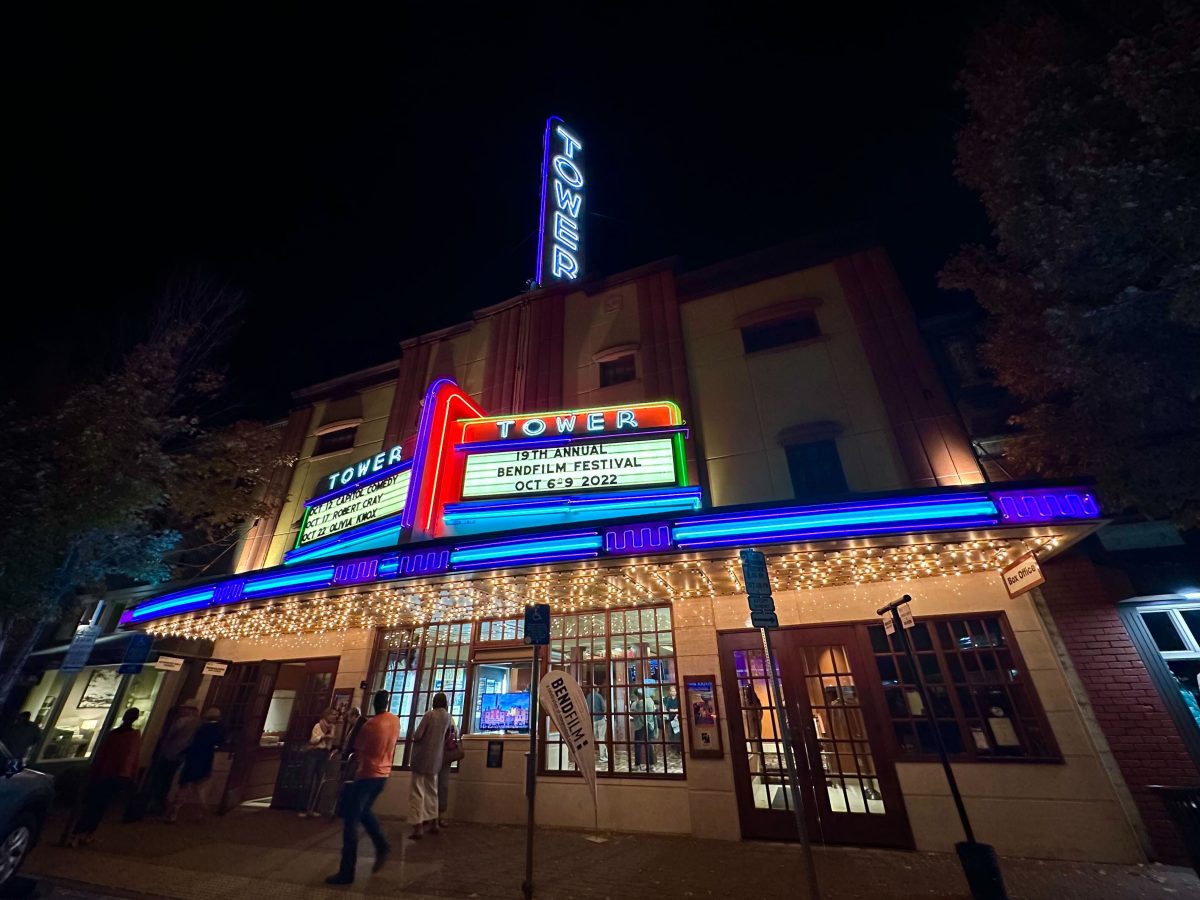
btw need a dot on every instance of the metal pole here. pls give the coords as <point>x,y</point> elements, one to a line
<point>814,891</point>
<point>894,609</point>
<point>531,771</point>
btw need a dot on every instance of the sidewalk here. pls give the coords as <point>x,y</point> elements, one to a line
<point>270,855</point>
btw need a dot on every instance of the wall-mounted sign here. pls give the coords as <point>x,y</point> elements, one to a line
<point>168,663</point>
<point>574,467</point>
<point>1023,575</point>
<point>364,467</point>
<point>80,650</point>
<point>216,669</point>
<point>560,232</point>
<point>382,496</point>
<point>703,716</point>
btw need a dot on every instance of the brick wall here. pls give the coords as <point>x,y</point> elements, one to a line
<point>1083,598</point>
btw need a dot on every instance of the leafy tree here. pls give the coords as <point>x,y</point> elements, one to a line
<point>1083,142</point>
<point>125,473</point>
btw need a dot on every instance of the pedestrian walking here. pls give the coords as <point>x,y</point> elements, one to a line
<point>320,748</point>
<point>425,761</point>
<point>160,781</point>
<point>374,751</point>
<point>454,752</point>
<point>198,759</point>
<point>21,735</point>
<point>113,770</point>
<point>599,710</point>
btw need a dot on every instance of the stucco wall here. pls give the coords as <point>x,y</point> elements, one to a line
<point>745,400</point>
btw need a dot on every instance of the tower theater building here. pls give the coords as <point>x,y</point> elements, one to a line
<point>607,446</point>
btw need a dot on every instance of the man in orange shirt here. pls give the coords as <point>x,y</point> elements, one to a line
<point>374,750</point>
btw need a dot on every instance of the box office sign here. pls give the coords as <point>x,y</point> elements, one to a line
<point>578,466</point>
<point>1023,575</point>
<point>372,500</point>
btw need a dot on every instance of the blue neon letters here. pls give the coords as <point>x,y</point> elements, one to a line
<point>568,201</point>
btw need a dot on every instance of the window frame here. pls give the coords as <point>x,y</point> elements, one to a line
<point>660,745</point>
<point>612,365</point>
<point>318,452</point>
<point>772,325</point>
<point>514,649</point>
<point>971,754</point>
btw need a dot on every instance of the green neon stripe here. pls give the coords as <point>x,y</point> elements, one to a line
<point>681,472</point>
<point>303,522</point>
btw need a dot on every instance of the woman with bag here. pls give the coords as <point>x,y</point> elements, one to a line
<point>428,753</point>
<point>454,752</point>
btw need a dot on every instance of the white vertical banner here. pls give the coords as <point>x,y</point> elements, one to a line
<point>562,697</point>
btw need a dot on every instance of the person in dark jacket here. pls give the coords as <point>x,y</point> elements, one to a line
<point>114,769</point>
<point>198,761</point>
<point>21,736</point>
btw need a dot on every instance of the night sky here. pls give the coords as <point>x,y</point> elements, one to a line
<point>363,179</point>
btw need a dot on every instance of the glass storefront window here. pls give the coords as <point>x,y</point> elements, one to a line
<point>983,703</point>
<point>75,732</point>
<point>413,664</point>
<point>1175,630</point>
<point>625,662</point>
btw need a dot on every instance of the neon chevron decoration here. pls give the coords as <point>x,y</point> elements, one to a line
<point>1045,504</point>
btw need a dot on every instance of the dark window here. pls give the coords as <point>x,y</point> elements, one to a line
<point>618,371</point>
<point>779,333</point>
<point>816,470</point>
<point>1163,629</point>
<point>333,441</point>
<point>983,702</point>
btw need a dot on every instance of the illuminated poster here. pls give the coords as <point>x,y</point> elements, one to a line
<point>578,466</point>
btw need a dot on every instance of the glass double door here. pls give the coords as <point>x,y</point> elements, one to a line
<point>848,783</point>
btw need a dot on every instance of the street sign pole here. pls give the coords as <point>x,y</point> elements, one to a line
<point>537,633</point>
<point>979,861</point>
<point>763,617</point>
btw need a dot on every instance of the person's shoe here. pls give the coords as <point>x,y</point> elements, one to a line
<point>302,815</point>
<point>442,823</point>
<point>340,878</point>
<point>380,859</point>
<point>416,834</point>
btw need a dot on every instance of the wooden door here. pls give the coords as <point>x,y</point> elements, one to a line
<point>243,695</point>
<point>834,708</point>
<point>312,698</point>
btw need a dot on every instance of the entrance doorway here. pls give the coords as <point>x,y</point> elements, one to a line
<point>834,709</point>
<point>271,708</point>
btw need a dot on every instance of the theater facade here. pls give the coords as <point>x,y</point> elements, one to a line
<point>607,447</point>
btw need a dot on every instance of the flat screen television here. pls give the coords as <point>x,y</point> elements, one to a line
<point>504,712</point>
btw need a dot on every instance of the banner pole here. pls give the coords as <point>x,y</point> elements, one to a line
<point>531,772</point>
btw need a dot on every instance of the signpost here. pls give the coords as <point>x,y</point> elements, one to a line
<point>80,650</point>
<point>979,861</point>
<point>537,634</point>
<point>762,616</point>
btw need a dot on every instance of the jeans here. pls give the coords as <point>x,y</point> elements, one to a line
<point>360,797</point>
<point>642,745</point>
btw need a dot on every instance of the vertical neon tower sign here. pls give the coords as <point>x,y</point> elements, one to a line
<point>560,232</point>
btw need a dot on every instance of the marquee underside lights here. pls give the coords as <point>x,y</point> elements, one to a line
<point>600,584</point>
<point>916,518</point>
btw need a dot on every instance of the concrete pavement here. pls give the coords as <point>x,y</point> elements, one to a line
<point>272,855</point>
